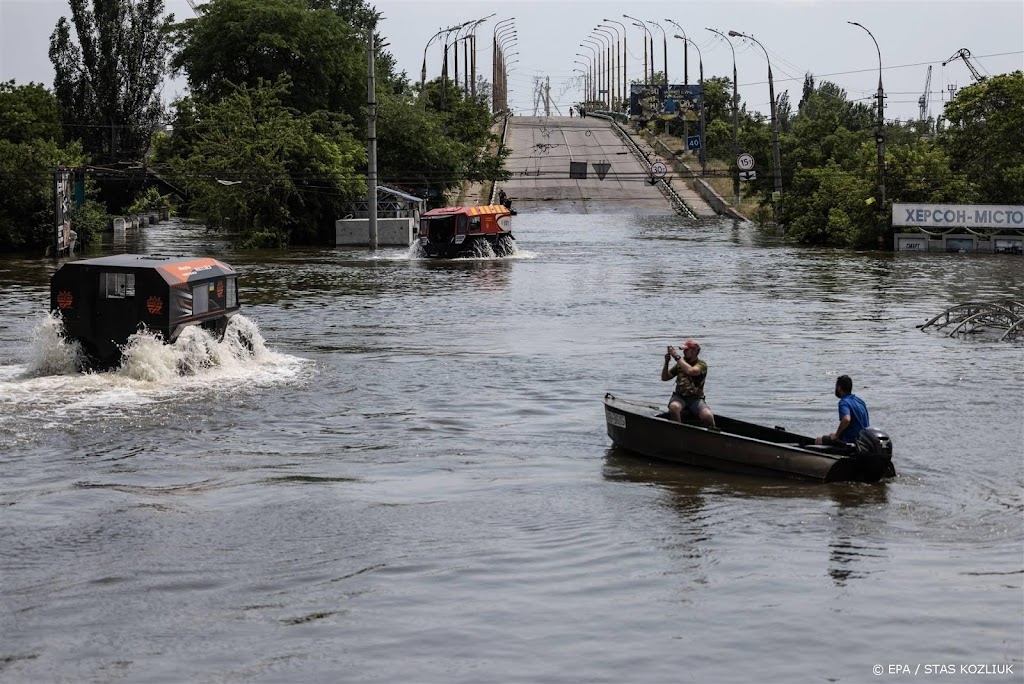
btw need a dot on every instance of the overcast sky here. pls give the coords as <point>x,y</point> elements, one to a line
<point>800,36</point>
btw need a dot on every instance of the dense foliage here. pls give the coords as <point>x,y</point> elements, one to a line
<point>279,104</point>
<point>270,143</point>
<point>30,151</point>
<point>829,158</point>
<point>107,83</point>
<point>985,137</point>
<point>263,170</point>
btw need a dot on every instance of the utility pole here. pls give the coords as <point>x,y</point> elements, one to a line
<point>371,143</point>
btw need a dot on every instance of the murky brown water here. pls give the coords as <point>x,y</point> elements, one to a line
<point>411,482</point>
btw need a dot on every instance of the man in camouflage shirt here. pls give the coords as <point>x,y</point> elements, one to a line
<point>690,374</point>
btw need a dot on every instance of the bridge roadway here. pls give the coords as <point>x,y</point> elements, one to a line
<point>543,147</point>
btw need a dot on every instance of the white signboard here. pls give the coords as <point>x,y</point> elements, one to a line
<point>959,216</point>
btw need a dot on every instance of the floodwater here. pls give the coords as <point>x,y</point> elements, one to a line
<point>409,479</point>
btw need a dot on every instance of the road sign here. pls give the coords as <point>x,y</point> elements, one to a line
<point>658,169</point>
<point>578,170</point>
<point>748,175</point>
<point>693,142</point>
<point>601,169</point>
<point>745,162</point>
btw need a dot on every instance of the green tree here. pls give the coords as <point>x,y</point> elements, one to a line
<point>28,112</point>
<point>245,42</point>
<point>413,150</point>
<point>107,84</point>
<point>827,206</point>
<point>30,151</point>
<point>262,170</point>
<point>362,17</point>
<point>466,124</point>
<point>984,137</point>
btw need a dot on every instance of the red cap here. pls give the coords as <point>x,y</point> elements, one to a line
<point>691,343</point>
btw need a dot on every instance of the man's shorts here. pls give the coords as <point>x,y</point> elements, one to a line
<point>692,405</point>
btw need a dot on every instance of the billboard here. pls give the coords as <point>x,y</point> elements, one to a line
<point>943,216</point>
<point>64,198</point>
<point>672,103</point>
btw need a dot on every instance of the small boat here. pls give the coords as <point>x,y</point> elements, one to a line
<point>103,301</point>
<point>459,231</point>
<point>740,447</point>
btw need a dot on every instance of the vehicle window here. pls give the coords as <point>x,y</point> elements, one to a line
<point>200,299</point>
<point>232,297</point>
<point>474,224</point>
<point>117,285</point>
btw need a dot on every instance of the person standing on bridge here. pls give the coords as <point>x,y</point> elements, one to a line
<point>853,414</point>
<point>690,374</point>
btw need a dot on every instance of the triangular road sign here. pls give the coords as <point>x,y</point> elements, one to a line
<point>601,168</point>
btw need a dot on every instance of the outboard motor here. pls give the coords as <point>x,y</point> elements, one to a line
<point>873,450</point>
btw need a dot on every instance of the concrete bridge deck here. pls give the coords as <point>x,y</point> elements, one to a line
<point>542,149</point>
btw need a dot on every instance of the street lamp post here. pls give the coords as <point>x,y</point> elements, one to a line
<point>509,39</point>
<point>880,124</point>
<point>494,62</point>
<point>472,41</point>
<point>686,78</point>
<point>455,45</point>
<point>616,65</point>
<point>735,122</point>
<point>609,65</point>
<point>703,152</point>
<point>506,35</point>
<point>589,64</point>
<point>686,52</point>
<point>647,32</point>
<point>423,71</point>
<point>588,83</point>
<point>444,70</point>
<point>664,48</point>
<point>776,156</point>
<point>598,48</point>
<point>586,77</point>
<point>622,63</point>
<point>595,68</point>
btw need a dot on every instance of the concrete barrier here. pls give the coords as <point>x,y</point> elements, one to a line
<point>395,232</point>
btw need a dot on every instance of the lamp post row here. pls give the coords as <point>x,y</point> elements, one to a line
<point>468,31</point>
<point>604,66</point>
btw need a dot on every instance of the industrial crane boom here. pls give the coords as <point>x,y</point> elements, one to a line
<point>924,101</point>
<point>964,54</point>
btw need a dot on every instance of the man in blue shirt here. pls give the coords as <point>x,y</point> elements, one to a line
<point>853,414</point>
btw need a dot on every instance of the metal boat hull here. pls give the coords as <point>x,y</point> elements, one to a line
<point>736,446</point>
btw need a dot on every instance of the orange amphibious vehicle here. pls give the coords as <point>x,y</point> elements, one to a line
<point>462,231</point>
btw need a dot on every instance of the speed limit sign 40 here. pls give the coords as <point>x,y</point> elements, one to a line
<point>745,162</point>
